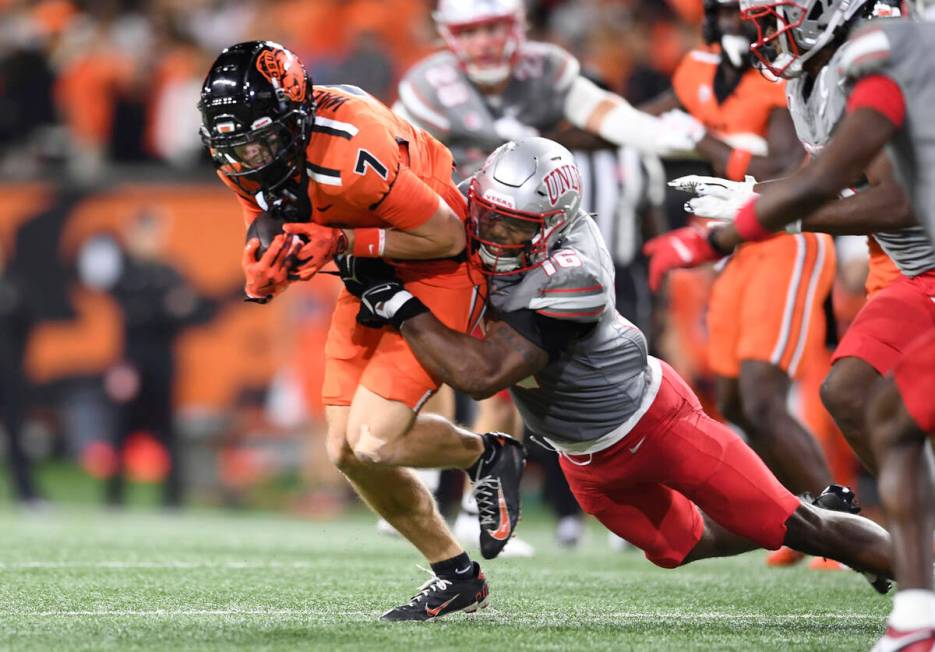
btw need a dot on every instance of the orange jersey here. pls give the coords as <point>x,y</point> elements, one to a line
<point>367,167</point>
<point>745,110</point>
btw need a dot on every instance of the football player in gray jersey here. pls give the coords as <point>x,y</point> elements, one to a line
<point>491,85</point>
<point>891,69</point>
<point>816,96</point>
<point>637,448</point>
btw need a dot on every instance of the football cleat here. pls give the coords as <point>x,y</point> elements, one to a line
<point>913,640</point>
<point>839,498</point>
<point>784,556</point>
<point>467,530</point>
<point>439,597</point>
<point>496,490</point>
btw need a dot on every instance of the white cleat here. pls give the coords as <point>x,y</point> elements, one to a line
<point>384,528</point>
<point>913,640</point>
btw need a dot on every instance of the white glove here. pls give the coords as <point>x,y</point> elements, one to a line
<point>718,199</point>
<point>701,185</point>
<point>509,128</point>
<point>684,124</point>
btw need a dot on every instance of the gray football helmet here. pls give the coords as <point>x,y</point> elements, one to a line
<point>526,195</point>
<point>790,32</point>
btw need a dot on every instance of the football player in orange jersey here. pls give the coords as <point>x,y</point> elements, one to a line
<point>765,312</point>
<point>357,182</point>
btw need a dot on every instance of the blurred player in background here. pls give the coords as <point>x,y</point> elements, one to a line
<point>889,67</point>
<point>639,452</point>
<point>765,313</point>
<point>492,85</point>
<point>899,308</point>
<point>353,179</point>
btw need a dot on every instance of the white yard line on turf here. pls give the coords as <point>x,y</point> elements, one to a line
<point>603,617</point>
<point>19,565</point>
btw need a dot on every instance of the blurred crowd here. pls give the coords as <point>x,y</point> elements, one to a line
<point>87,83</point>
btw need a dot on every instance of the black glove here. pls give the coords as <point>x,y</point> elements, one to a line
<point>388,303</point>
<point>358,273</point>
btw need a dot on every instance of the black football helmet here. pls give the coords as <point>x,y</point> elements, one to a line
<point>257,112</point>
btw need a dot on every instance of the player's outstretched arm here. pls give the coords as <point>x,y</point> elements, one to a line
<point>884,206</point>
<point>479,368</point>
<point>859,139</point>
<point>589,107</point>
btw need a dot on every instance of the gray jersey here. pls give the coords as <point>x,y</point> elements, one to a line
<point>584,399</point>
<point>436,95</point>
<point>904,51</point>
<point>815,115</point>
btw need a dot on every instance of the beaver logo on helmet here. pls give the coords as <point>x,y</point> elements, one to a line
<point>284,67</point>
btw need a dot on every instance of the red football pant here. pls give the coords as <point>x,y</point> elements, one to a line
<point>651,487</point>
<point>915,376</point>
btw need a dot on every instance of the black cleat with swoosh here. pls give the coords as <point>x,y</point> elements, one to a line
<point>439,597</point>
<point>496,489</point>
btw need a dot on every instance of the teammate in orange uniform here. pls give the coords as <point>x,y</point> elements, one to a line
<point>358,182</point>
<point>765,311</point>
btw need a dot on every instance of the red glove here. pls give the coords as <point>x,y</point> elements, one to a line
<point>685,247</point>
<point>321,245</point>
<point>267,276</point>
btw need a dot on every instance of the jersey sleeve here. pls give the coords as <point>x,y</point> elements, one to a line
<point>565,68</point>
<point>418,104</point>
<point>379,180</point>
<point>570,289</point>
<point>868,52</point>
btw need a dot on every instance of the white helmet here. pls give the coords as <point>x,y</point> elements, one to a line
<point>530,186</point>
<point>791,32</point>
<point>455,15</point>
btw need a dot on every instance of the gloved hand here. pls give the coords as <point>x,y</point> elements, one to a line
<point>321,244</point>
<point>689,246</point>
<point>718,199</point>
<point>358,274</point>
<point>678,121</point>
<point>388,302</point>
<point>269,275</point>
<point>702,185</point>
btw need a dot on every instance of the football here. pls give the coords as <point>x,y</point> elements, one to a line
<point>265,227</point>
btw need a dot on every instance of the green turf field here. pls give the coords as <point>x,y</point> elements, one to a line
<point>81,580</point>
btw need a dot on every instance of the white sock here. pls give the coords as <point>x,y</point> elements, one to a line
<point>912,609</point>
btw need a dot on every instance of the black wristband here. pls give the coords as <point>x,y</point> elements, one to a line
<point>712,240</point>
<point>408,310</point>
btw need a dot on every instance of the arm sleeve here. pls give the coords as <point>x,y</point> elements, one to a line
<point>882,94</point>
<point>551,335</point>
<point>621,125</point>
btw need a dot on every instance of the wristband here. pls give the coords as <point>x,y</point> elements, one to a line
<point>737,164</point>
<point>748,226</point>
<point>715,245</point>
<point>369,243</point>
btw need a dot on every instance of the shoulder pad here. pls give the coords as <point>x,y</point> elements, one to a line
<point>570,288</point>
<point>563,66</point>
<point>866,52</point>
